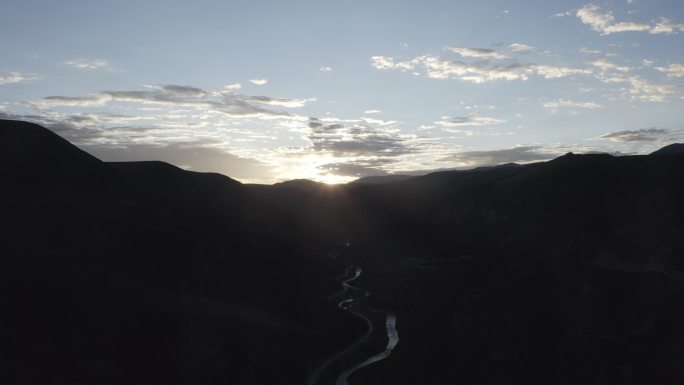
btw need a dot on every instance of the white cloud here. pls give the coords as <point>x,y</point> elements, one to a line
<point>438,68</point>
<point>640,89</point>
<point>325,69</point>
<point>554,106</point>
<point>87,64</point>
<point>372,112</point>
<point>259,82</point>
<point>552,72</point>
<point>521,48</point>
<point>673,70</point>
<point>479,53</point>
<point>281,102</point>
<point>667,27</point>
<point>605,23</point>
<point>604,65</point>
<point>234,86</point>
<point>562,14</point>
<point>15,77</point>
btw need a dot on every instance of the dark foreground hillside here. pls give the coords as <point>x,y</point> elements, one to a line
<point>563,272</point>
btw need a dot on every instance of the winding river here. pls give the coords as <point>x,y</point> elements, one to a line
<point>350,295</point>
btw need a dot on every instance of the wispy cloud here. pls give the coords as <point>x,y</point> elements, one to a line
<point>325,69</point>
<point>519,154</point>
<point>477,72</point>
<point>234,86</point>
<point>673,70</point>
<point>259,82</point>
<point>604,64</point>
<point>464,121</point>
<point>555,106</point>
<point>642,135</point>
<point>87,64</point>
<point>480,53</point>
<point>15,77</point>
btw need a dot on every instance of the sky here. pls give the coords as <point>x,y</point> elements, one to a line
<point>266,91</point>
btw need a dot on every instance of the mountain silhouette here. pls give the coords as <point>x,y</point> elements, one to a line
<point>675,148</point>
<point>567,271</point>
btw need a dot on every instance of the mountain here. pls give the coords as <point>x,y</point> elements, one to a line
<point>568,271</point>
<point>675,148</point>
<point>145,273</point>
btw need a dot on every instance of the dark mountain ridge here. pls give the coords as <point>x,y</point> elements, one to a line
<point>567,271</point>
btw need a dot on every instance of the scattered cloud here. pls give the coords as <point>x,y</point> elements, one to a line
<point>357,138</point>
<point>479,53</point>
<point>521,48</point>
<point>325,69</point>
<point>372,112</point>
<point>638,88</point>
<point>259,82</point>
<point>15,77</point>
<point>673,70</point>
<point>555,106</point>
<point>642,135</point>
<point>88,64</point>
<point>478,72</point>
<point>234,86</point>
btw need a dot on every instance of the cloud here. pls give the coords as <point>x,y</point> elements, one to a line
<point>605,24</point>
<point>521,48</point>
<point>554,106</point>
<point>519,154</point>
<point>372,112</point>
<point>259,82</point>
<point>673,70</point>
<point>642,135</point>
<point>87,64</point>
<point>281,102</point>
<point>356,170</point>
<point>179,91</point>
<point>637,88</point>
<point>14,77</point>
<point>357,138</point>
<point>479,72</point>
<point>604,65</point>
<point>464,121</point>
<point>234,86</point>
<point>562,14</point>
<point>479,53</point>
<point>168,95</point>
<point>325,69</point>
<point>667,27</point>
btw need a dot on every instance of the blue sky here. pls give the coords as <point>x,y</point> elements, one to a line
<point>265,91</point>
